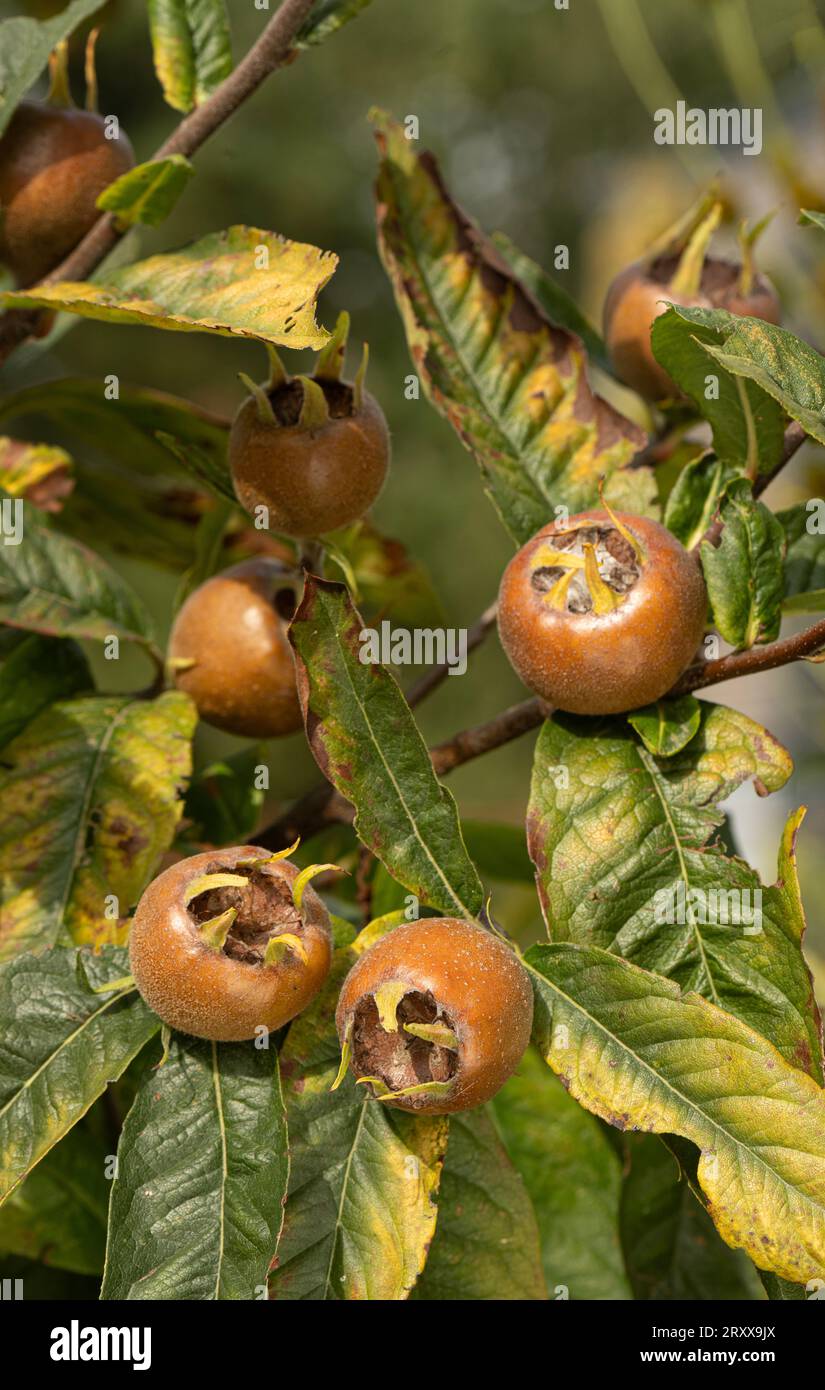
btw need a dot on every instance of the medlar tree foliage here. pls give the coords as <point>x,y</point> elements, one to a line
<point>391,1136</point>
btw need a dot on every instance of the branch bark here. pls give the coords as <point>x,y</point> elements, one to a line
<point>274,48</point>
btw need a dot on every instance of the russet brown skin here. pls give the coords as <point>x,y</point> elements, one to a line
<point>635,298</point>
<point>54,163</point>
<point>312,481</point>
<point>478,983</point>
<point>204,992</point>
<point>244,677</point>
<point>587,663</point>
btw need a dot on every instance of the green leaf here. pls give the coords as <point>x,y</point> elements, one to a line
<point>632,1048</point>
<point>620,843</point>
<point>366,742</point>
<point>242,282</point>
<point>672,1249</point>
<point>326,17</point>
<point>361,1210</point>
<point>694,499</point>
<point>747,422</point>
<point>574,1178</point>
<point>60,1044</point>
<point>668,726</point>
<point>202,464</point>
<point>486,1242</point>
<point>804,528</point>
<point>129,488</point>
<point>790,370</point>
<point>223,802</point>
<point>192,48</point>
<point>208,1129</point>
<point>89,801</point>
<point>52,585</point>
<point>25,45</point>
<point>559,306</point>
<point>744,572</point>
<point>512,385</point>
<point>58,1215</point>
<point>147,193</point>
<point>36,672</point>
<point>391,584</point>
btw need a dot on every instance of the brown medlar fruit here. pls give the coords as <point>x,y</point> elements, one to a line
<point>55,161</point>
<point>685,276</point>
<point>314,451</point>
<point>436,1016</point>
<point>228,942</point>
<point>602,613</point>
<point>229,651</point>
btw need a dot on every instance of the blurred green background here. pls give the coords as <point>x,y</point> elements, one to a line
<point>541,118</point>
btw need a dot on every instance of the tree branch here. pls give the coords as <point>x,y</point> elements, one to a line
<point>324,805</point>
<point>433,678</point>
<point>271,51</point>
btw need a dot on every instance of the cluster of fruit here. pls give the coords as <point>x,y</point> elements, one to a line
<point>599,614</point>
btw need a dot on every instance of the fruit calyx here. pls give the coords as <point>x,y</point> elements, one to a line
<point>311,402</point>
<point>251,916</point>
<point>401,1043</point>
<point>590,568</point>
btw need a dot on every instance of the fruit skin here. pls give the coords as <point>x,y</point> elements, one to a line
<point>244,679</point>
<point>634,301</point>
<point>54,163</point>
<point>477,981</point>
<point>204,992</point>
<point>313,481</point>
<point>586,663</point>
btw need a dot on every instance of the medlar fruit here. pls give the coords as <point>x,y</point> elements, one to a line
<point>55,161</point>
<point>229,651</point>
<point>314,451</point>
<point>230,941</point>
<point>685,276</point>
<point>602,613</point>
<point>435,1017</point>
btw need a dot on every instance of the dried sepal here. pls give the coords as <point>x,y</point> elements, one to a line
<point>112,986</point>
<point>165,1044</point>
<point>213,933</point>
<point>90,69</point>
<point>330,363</point>
<point>359,384</point>
<point>306,876</point>
<point>346,1054</point>
<point>278,374</point>
<point>605,600</point>
<point>314,409</point>
<point>279,946</point>
<point>436,1033</point>
<point>263,404</point>
<point>268,858</point>
<point>439,1089</point>
<point>60,92</point>
<point>387,998</point>
<point>204,882</point>
<point>687,280</point>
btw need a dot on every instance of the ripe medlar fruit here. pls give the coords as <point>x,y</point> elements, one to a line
<point>229,651</point>
<point>680,274</point>
<point>313,450</point>
<point>436,1016</point>
<point>55,161</point>
<point>230,941</point>
<point>602,613</point>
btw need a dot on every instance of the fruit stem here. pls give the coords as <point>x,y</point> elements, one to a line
<point>314,411</point>
<point>60,92</point>
<point>688,278</point>
<point>266,414</point>
<point>91,70</point>
<point>330,362</point>
<point>360,379</point>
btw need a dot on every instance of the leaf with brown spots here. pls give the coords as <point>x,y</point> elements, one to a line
<point>365,740</point>
<point>89,801</point>
<point>627,859</point>
<point>631,1048</point>
<point>512,384</point>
